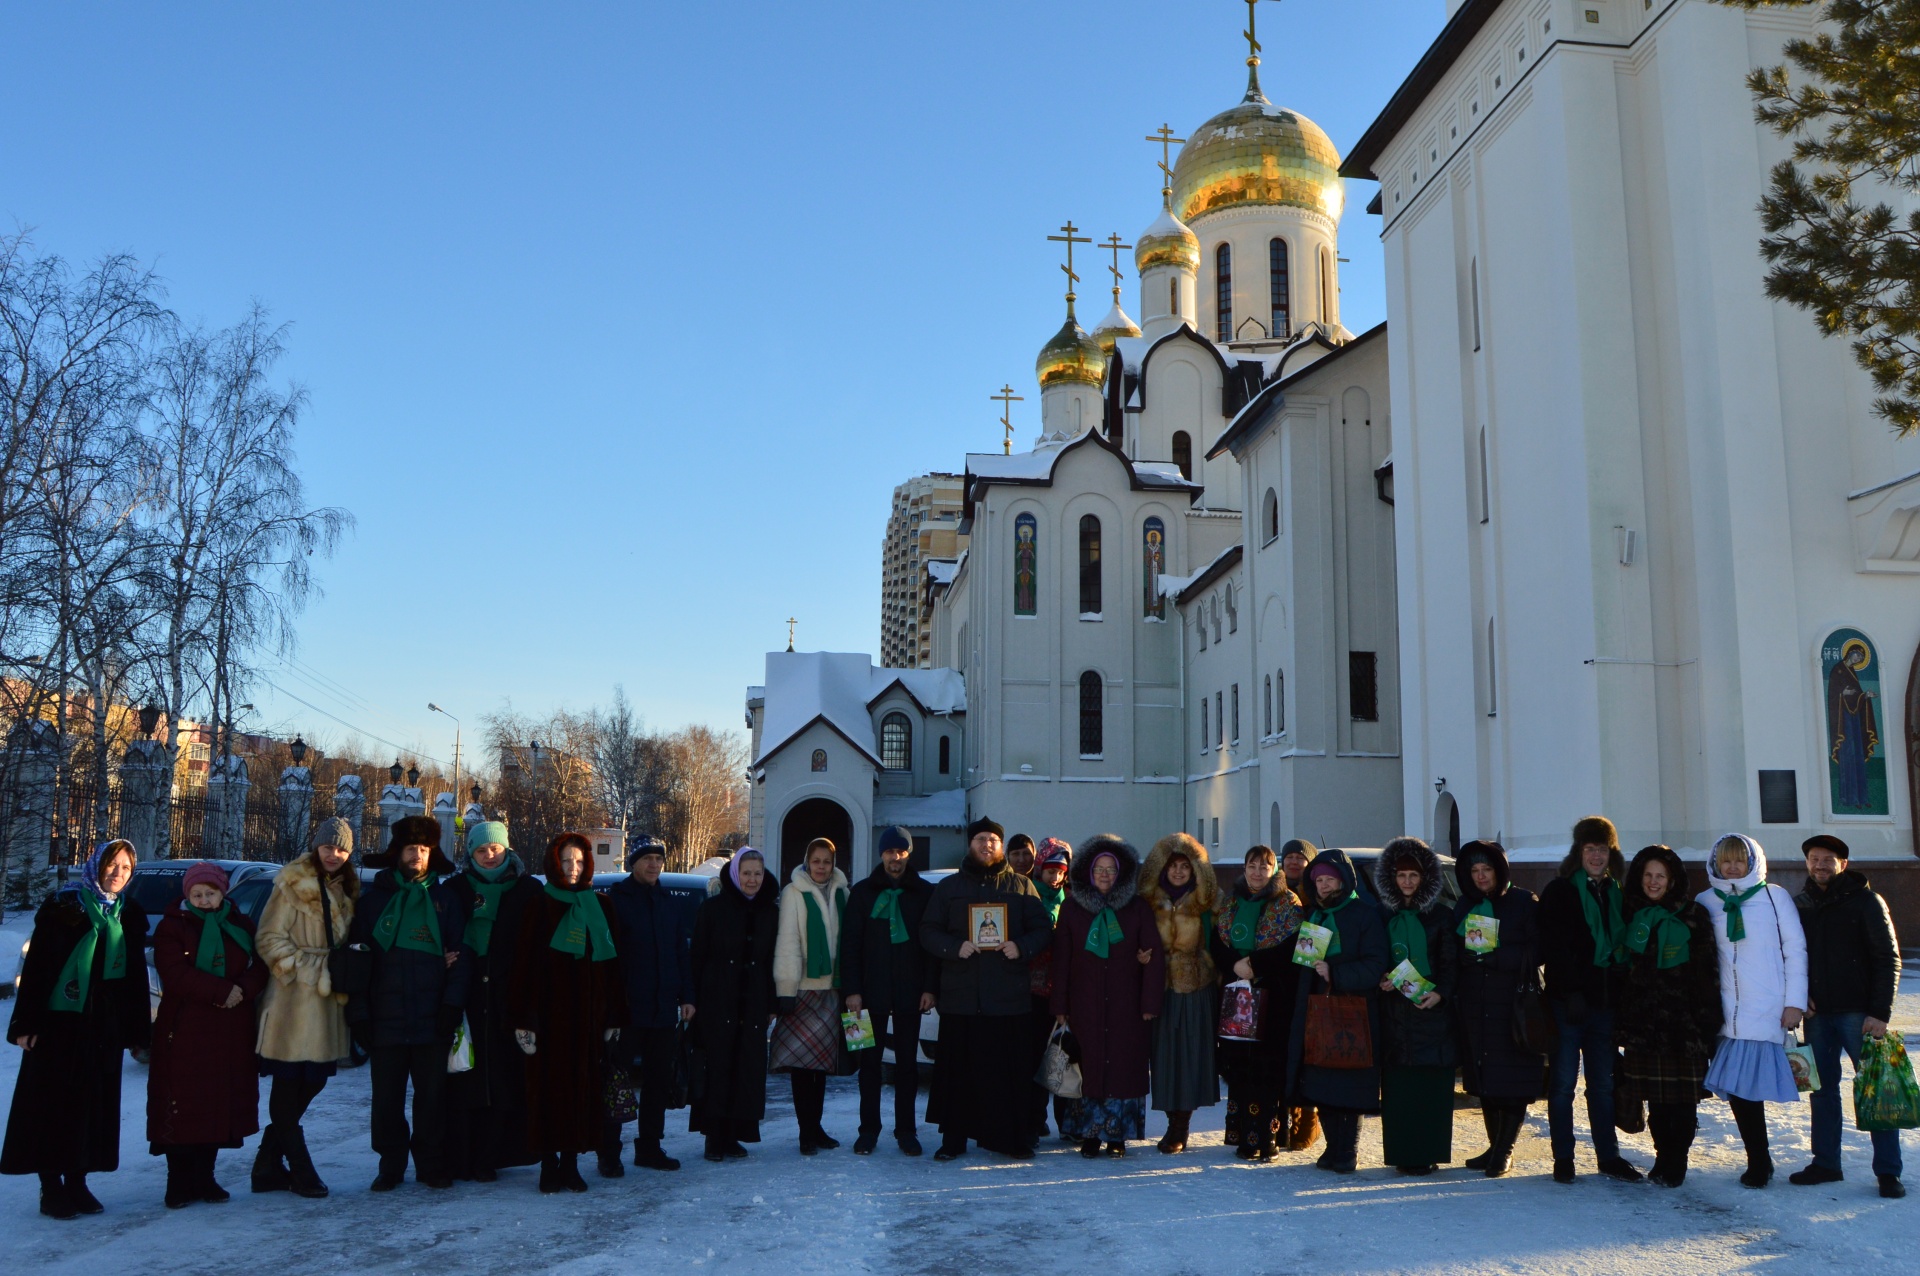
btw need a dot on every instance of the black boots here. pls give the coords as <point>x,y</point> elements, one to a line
<point>1175,1139</point>
<point>610,1167</point>
<point>1342,1127</point>
<point>54,1199</point>
<point>550,1175</point>
<point>649,1156</point>
<point>301,1176</point>
<point>180,1175</point>
<point>1672,1126</point>
<point>1503,1126</point>
<point>1750,1116</point>
<point>269,1163</point>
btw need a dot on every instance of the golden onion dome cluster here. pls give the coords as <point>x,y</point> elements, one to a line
<point>1258,153</point>
<point>1071,356</point>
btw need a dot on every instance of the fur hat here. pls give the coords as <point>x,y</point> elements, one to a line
<point>1677,888</point>
<point>333,832</point>
<point>414,830</point>
<point>1126,882</point>
<point>1595,830</point>
<point>985,825</point>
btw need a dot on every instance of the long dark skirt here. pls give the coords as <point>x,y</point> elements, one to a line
<point>1416,1115</point>
<point>1255,1118</point>
<point>1185,1075</point>
<point>981,1081</point>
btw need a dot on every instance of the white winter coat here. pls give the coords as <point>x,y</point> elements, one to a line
<point>790,952</point>
<point>1766,972</point>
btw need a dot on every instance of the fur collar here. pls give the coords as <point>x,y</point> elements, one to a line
<point>1389,890</point>
<point>1080,876</point>
<point>1204,896</point>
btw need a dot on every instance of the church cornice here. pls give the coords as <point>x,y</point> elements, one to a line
<point>1272,395</point>
<point>1136,480</point>
<point>817,720</point>
<point>1413,92</point>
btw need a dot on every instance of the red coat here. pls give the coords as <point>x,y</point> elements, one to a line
<point>1104,998</point>
<point>568,1003</point>
<point>203,1085</point>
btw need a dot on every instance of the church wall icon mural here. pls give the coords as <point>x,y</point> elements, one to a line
<point>1856,753</point>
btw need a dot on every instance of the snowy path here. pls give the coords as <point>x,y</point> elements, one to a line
<point>838,1213</point>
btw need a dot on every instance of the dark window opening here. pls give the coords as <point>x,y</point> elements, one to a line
<point>1183,453</point>
<point>1092,715</point>
<point>1363,687</point>
<point>946,755</point>
<point>896,743</point>
<point>1089,565</point>
<point>1223,293</point>
<point>1277,272</point>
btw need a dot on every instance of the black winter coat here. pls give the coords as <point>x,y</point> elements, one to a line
<point>66,1099</point>
<point>1853,957</point>
<point>1566,949</point>
<point>1354,971</point>
<point>1417,1038</point>
<point>733,941</point>
<point>499,1075</point>
<point>1673,1013</point>
<point>656,937</point>
<point>1491,1065</point>
<point>987,983</point>
<point>886,976</point>
<point>404,1002</point>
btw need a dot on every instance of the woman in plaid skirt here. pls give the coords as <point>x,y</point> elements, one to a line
<point>806,980</point>
<point>1669,1015</point>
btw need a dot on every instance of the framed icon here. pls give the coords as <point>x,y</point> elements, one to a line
<point>987,925</point>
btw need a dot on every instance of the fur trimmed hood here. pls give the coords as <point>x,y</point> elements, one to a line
<point>1080,876</point>
<point>1205,895</point>
<point>1495,854</point>
<point>1384,868</point>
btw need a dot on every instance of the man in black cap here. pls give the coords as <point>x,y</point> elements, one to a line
<point>1853,972</point>
<point>656,937</point>
<point>885,971</point>
<point>982,1072</point>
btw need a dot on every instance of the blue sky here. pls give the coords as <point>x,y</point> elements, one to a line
<point>621,321</point>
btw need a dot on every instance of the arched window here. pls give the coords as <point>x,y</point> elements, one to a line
<point>1266,727</point>
<point>1206,732</point>
<point>1092,715</point>
<point>896,742</point>
<point>1223,293</point>
<point>1173,296</point>
<point>1277,277</point>
<point>1026,566</point>
<point>1089,565</point>
<point>946,754</point>
<point>1270,516</point>
<point>1183,453</point>
<point>1153,561</point>
<point>1326,287</point>
<point>1280,702</point>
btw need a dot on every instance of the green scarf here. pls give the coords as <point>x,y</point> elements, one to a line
<point>1604,924</point>
<point>1244,932</point>
<point>1660,926</point>
<point>1408,935</point>
<point>1104,932</point>
<point>822,961</point>
<point>1051,898</point>
<point>1736,924</point>
<point>212,953</point>
<point>584,921</point>
<point>1324,917</point>
<point>76,977</point>
<point>1483,909</point>
<point>886,905</point>
<point>488,891</point>
<point>408,919</point>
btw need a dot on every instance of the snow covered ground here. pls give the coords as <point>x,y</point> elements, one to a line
<point>838,1213</point>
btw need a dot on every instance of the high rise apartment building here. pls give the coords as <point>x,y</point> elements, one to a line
<point>924,525</point>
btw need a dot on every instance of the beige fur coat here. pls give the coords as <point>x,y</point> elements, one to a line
<point>301,1018</point>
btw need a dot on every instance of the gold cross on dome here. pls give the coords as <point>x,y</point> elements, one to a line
<point>1113,244</point>
<point>791,622</point>
<point>1164,136</point>
<point>1006,399</point>
<point>1253,43</point>
<point>1069,239</point>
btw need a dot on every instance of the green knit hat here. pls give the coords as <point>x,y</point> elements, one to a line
<point>487,831</point>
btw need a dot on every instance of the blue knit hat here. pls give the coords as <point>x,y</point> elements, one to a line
<point>486,831</point>
<point>646,846</point>
<point>895,838</point>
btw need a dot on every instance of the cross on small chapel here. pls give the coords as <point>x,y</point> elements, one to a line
<point>1069,239</point>
<point>1006,399</point>
<point>1164,136</point>
<point>791,622</point>
<point>1112,243</point>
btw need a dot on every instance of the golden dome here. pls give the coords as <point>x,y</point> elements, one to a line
<point>1112,328</point>
<point>1071,356</point>
<point>1258,153</point>
<point>1167,242</point>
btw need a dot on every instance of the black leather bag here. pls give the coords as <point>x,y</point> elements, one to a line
<point>680,1087</point>
<point>349,966</point>
<point>1534,1030</point>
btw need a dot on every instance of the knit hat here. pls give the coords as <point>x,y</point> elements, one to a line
<point>486,832</point>
<point>894,837</point>
<point>1053,851</point>
<point>333,832</point>
<point>1299,846</point>
<point>1322,868</point>
<point>646,846</point>
<point>985,825</point>
<point>1019,839</point>
<point>1824,842</point>
<point>204,873</point>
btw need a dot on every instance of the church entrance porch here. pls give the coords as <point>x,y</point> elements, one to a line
<point>815,817</point>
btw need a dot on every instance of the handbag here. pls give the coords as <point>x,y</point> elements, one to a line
<point>1806,1073</point>
<point>1339,1032</point>
<point>1059,1075</point>
<point>1534,1030</point>
<point>349,966</point>
<point>680,1084</point>
<point>1243,1011</point>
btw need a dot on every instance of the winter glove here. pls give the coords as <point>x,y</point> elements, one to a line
<point>1575,1009</point>
<point>523,1039</point>
<point>449,1021</point>
<point>785,1006</point>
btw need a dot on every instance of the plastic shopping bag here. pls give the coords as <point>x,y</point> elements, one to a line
<point>1806,1076</point>
<point>460,1058</point>
<point>1885,1096</point>
<point>1059,1074</point>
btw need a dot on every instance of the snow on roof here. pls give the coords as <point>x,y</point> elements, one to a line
<point>1132,349</point>
<point>941,570</point>
<point>1162,473</point>
<point>1037,464</point>
<point>946,809</point>
<point>1173,586</point>
<point>804,687</point>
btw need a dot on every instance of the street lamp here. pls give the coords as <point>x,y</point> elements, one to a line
<point>149,720</point>
<point>413,777</point>
<point>394,772</point>
<point>299,750</point>
<point>459,818</point>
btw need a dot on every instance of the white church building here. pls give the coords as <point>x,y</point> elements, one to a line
<point>1589,525</point>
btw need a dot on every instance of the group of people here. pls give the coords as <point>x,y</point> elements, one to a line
<point>532,1016</point>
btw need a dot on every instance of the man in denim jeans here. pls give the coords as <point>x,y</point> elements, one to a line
<point>1853,971</point>
<point>1583,939</point>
